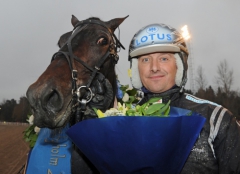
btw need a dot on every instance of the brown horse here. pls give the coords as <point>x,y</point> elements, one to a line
<point>88,52</point>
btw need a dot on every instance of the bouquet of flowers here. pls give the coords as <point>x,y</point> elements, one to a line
<point>152,138</point>
<point>31,133</point>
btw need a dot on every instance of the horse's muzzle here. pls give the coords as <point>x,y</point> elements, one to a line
<point>46,104</point>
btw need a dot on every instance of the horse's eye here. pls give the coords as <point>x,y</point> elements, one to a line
<point>102,41</point>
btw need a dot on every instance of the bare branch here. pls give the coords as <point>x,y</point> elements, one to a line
<point>201,78</point>
<point>224,77</point>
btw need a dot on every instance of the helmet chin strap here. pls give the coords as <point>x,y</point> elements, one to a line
<point>135,78</point>
<point>183,85</point>
<point>180,70</point>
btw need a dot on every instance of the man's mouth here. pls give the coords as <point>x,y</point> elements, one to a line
<point>156,77</point>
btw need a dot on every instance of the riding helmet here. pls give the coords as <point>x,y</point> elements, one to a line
<point>158,38</point>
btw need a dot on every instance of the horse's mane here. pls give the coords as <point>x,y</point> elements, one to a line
<point>94,18</point>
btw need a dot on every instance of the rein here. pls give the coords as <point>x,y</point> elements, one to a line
<point>77,99</point>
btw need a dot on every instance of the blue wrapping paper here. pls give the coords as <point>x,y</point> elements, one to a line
<point>138,144</point>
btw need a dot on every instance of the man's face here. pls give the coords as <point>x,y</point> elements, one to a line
<point>157,71</point>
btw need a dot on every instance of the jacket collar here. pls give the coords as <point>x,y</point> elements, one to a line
<point>170,94</point>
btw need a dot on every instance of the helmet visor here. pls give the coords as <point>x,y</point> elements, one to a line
<point>155,48</point>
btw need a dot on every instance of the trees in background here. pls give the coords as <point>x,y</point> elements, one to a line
<point>21,110</point>
<point>231,101</point>
<point>11,111</point>
<point>7,108</point>
<point>223,94</point>
<point>224,77</point>
<point>201,78</point>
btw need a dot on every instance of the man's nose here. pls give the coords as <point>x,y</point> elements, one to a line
<point>155,66</point>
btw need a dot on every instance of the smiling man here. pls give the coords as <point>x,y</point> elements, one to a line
<point>157,71</point>
<point>158,58</point>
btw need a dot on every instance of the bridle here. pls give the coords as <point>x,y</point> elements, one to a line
<point>78,101</point>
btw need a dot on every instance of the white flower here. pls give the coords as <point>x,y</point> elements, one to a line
<point>30,120</point>
<point>125,97</point>
<point>111,112</point>
<point>129,89</point>
<point>36,129</point>
<point>122,108</point>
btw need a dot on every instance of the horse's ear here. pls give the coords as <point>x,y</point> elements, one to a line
<point>74,20</point>
<point>114,23</point>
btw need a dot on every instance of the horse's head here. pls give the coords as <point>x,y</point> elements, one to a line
<point>91,47</point>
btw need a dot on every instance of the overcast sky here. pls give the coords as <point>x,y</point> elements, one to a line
<point>30,31</point>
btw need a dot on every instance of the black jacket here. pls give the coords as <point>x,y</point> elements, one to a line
<point>217,150</point>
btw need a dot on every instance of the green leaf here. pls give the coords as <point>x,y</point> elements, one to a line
<point>131,99</point>
<point>138,114</point>
<point>31,136</point>
<point>32,144</point>
<point>124,87</point>
<point>153,100</point>
<point>95,110</point>
<point>143,108</point>
<point>27,139</point>
<point>128,105</point>
<point>34,137</point>
<point>153,108</point>
<point>132,92</point>
<point>138,108</point>
<point>130,112</point>
<point>167,111</point>
<point>163,109</point>
<point>29,132</point>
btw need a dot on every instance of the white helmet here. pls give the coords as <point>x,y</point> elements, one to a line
<point>158,38</point>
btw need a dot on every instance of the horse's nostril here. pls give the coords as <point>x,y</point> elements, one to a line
<point>53,101</point>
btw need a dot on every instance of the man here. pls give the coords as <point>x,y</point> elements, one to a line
<point>158,58</point>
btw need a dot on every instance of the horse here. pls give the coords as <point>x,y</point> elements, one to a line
<point>81,76</point>
<point>86,52</point>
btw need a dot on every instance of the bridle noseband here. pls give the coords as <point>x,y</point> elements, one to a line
<point>78,102</point>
